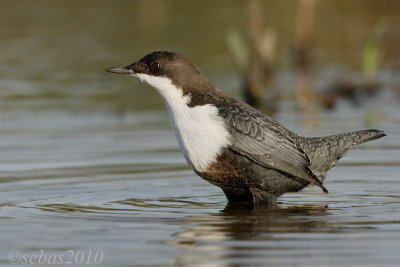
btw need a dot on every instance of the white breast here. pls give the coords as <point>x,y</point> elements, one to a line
<point>201,133</point>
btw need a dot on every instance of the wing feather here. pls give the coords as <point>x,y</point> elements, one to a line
<point>258,137</point>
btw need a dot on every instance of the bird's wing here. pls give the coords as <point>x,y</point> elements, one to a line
<point>266,142</point>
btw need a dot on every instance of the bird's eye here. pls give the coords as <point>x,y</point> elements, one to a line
<point>155,66</point>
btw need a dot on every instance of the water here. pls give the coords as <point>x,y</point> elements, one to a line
<point>90,171</point>
<point>98,182</point>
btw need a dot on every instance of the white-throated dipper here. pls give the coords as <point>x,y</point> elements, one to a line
<point>232,145</point>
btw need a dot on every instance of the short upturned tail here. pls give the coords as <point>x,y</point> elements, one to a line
<point>361,137</point>
<point>325,151</point>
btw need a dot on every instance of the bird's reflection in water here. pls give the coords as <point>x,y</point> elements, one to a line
<point>257,220</point>
<point>242,230</point>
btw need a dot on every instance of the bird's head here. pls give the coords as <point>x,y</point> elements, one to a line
<point>171,74</point>
<point>161,66</point>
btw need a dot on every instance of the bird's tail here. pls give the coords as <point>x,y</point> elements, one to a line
<point>361,137</point>
<point>324,152</point>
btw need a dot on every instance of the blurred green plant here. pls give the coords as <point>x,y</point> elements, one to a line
<point>371,49</point>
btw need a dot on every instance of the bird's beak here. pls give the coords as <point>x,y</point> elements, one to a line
<point>121,70</point>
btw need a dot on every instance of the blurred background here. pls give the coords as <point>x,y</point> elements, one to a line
<point>88,159</point>
<point>54,54</point>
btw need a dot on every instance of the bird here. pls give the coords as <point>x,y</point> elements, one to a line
<point>232,145</point>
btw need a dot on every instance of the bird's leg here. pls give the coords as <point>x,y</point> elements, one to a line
<point>262,198</point>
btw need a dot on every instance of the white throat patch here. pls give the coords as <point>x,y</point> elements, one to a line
<point>201,133</point>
